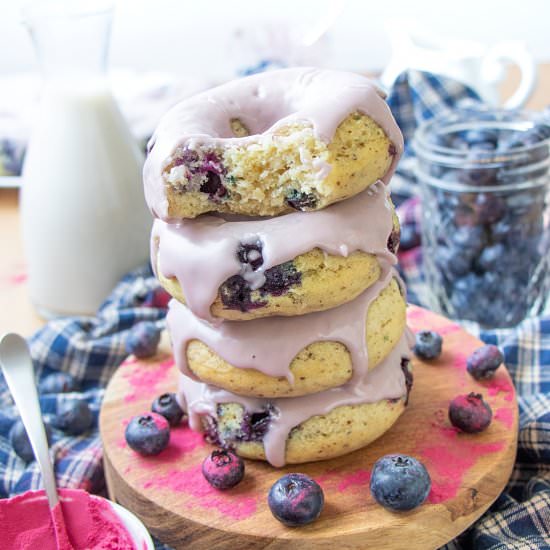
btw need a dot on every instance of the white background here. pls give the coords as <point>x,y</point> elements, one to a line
<point>197,36</point>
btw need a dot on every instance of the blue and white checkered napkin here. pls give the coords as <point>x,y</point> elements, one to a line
<point>91,348</point>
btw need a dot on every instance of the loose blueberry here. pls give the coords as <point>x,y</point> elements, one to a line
<point>57,382</point>
<point>296,499</point>
<point>470,413</point>
<point>223,469</point>
<point>143,339</point>
<point>300,200</point>
<point>483,363</point>
<point>148,434</point>
<point>73,417</point>
<point>428,344</point>
<point>20,441</point>
<point>400,482</point>
<point>167,406</point>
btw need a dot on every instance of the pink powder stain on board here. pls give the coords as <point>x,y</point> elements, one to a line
<point>449,459</point>
<point>352,482</point>
<point>144,378</point>
<point>448,329</point>
<point>415,315</point>
<point>358,479</point>
<point>506,416</point>
<point>499,384</point>
<point>232,504</point>
<point>459,361</point>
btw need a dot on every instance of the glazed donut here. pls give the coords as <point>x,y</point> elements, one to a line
<point>287,265</point>
<point>303,429</point>
<point>291,356</point>
<point>294,139</point>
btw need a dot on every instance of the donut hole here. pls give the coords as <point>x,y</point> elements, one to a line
<point>238,128</point>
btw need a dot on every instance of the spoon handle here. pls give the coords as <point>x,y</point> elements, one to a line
<point>17,367</point>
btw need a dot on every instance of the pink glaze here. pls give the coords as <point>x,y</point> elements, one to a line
<point>264,103</point>
<point>448,457</point>
<point>506,416</point>
<point>236,504</point>
<point>202,253</point>
<point>386,381</point>
<point>91,523</point>
<point>144,378</point>
<point>269,345</point>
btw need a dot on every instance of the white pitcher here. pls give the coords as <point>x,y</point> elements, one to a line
<point>84,219</point>
<point>481,67</point>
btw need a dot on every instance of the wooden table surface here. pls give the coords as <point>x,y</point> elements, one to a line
<point>16,311</point>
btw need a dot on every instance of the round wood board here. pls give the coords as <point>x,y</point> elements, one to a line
<point>178,506</point>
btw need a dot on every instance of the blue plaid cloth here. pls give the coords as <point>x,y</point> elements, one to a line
<point>91,348</point>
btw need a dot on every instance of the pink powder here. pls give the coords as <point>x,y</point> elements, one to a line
<point>235,504</point>
<point>144,378</point>
<point>91,523</point>
<point>448,329</point>
<point>459,361</point>
<point>505,415</point>
<point>359,478</point>
<point>60,529</point>
<point>500,384</point>
<point>449,459</point>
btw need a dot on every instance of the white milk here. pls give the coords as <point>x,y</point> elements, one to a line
<point>84,218</point>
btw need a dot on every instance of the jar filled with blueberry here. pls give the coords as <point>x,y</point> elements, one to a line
<point>484,181</point>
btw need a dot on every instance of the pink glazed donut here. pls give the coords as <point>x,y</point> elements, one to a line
<point>268,144</point>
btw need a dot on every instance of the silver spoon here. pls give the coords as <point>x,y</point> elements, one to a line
<point>16,364</point>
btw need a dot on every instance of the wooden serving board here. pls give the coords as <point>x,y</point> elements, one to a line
<point>468,472</point>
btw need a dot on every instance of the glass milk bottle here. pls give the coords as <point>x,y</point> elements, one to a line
<point>84,220</point>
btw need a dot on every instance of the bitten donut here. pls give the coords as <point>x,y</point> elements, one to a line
<point>295,139</point>
<point>293,356</point>
<point>303,429</point>
<point>288,265</point>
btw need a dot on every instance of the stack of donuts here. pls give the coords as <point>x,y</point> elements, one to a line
<point>276,237</point>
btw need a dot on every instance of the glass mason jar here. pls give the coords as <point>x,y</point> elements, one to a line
<point>484,182</point>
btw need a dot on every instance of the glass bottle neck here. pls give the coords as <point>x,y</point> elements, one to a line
<point>71,38</point>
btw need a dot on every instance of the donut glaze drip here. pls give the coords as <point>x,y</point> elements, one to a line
<point>386,381</point>
<point>269,345</point>
<point>202,253</point>
<point>264,103</point>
